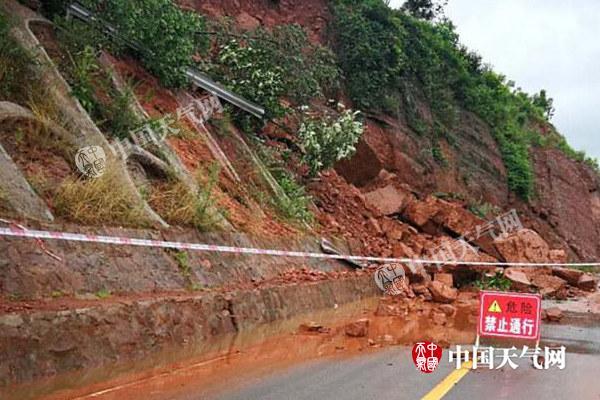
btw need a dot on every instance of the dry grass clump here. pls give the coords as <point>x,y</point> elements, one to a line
<point>178,205</point>
<point>174,202</point>
<point>98,201</point>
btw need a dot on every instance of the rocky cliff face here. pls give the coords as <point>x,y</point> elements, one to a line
<point>565,208</point>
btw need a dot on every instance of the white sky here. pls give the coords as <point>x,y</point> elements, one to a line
<point>542,44</point>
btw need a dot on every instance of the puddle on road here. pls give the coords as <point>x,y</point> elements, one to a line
<point>201,367</point>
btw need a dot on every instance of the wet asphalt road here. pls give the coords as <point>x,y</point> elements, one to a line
<point>390,374</point>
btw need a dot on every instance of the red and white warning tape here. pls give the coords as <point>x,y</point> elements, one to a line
<point>39,241</point>
<point>19,231</point>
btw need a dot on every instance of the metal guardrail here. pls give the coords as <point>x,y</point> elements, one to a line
<point>196,77</point>
<point>203,81</point>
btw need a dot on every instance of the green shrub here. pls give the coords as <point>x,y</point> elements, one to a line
<point>206,212</point>
<point>518,166</point>
<point>183,262</point>
<point>167,36</point>
<point>110,108</point>
<point>438,155</point>
<point>249,72</point>
<point>497,281</point>
<point>295,205</point>
<point>83,69</point>
<point>75,35</point>
<point>264,66</point>
<point>103,294</point>
<point>326,140</point>
<point>368,43</point>
<point>308,70</point>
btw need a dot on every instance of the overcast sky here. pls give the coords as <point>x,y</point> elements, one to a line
<point>542,44</point>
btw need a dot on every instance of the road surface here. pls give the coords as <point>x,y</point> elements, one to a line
<point>390,374</point>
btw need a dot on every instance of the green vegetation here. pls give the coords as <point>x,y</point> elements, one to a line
<point>248,72</point>
<point>295,206</point>
<point>497,281</point>
<point>424,9</point>
<point>589,268</point>
<point>265,66</point>
<point>369,49</point>
<point>183,262</point>
<point>158,32</point>
<point>205,215</point>
<point>110,108</point>
<point>438,155</point>
<point>392,58</point>
<point>103,294</point>
<point>326,140</point>
<point>178,205</point>
<point>164,36</point>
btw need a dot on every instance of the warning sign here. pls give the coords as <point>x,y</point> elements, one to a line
<point>514,315</point>
<point>495,307</point>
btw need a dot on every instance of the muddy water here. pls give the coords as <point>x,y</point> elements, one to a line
<point>204,367</point>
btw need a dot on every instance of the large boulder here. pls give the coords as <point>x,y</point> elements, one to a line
<point>550,286</point>
<point>388,200</point>
<point>587,282</point>
<point>568,274</point>
<point>445,278</point>
<point>420,212</point>
<point>437,216</point>
<point>442,293</point>
<point>416,273</point>
<point>454,218</point>
<point>452,249</point>
<point>393,229</point>
<point>524,245</point>
<point>359,328</point>
<point>518,279</point>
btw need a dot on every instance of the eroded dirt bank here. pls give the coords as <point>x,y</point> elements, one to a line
<point>50,342</point>
<point>335,330</point>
